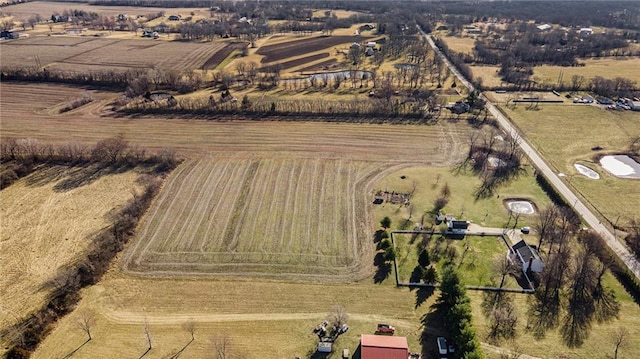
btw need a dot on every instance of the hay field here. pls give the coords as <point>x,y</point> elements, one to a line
<point>460,44</point>
<point>489,75</point>
<point>301,218</point>
<point>44,228</point>
<point>607,67</point>
<point>565,135</point>
<point>93,54</point>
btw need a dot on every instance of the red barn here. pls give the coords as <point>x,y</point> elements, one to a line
<point>383,347</point>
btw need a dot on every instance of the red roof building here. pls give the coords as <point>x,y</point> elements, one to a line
<point>383,347</point>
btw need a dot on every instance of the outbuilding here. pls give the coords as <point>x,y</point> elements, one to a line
<point>383,347</point>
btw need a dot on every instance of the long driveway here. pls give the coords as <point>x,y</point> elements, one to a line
<point>551,176</point>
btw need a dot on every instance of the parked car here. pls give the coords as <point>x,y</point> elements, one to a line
<point>442,346</point>
<point>385,328</point>
<point>525,230</point>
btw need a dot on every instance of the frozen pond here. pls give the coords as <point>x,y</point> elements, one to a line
<point>621,166</point>
<point>520,206</point>
<point>586,171</point>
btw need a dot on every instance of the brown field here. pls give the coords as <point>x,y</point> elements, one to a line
<point>45,227</point>
<point>303,60</point>
<point>72,53</point>
<point>284,50</point>
<point>244,310</point>
<point>460,44</point>
<point>45,9</point>
<point>320,66</point>
<point>608,68</point>
<point>489,75</point>
<point>340,14</point>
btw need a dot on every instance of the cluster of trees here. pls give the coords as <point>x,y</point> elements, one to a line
<point>495,157</point>
<point>19,157</point>
<point>570,294</point>
<point>498,306</point>
<point>67,283</point>
<point>619,14</point>
<point>385,251</point>
<point>455,306</point>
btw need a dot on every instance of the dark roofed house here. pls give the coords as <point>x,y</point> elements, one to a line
<point>455,226</point>
<point>529,257</point>
<point>383,347</point>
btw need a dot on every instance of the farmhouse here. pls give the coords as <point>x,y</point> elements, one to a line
<point>522,253</point>
<point>586,31</point>
<point>383,347</point>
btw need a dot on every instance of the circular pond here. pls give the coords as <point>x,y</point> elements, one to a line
<point>521,206</point>
<point>586,171</point>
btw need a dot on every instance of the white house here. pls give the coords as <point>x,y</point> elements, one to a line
<point>544,27</point>
<point>527,256</point>
<point>586,31</point>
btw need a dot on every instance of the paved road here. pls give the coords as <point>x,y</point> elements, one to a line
<point>551,176</point>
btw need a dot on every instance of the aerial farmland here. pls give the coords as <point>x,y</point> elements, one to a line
<point>262,180</point>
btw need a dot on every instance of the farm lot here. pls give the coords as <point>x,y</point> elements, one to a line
<point>45,227</point>
<point>460,44</point>
<point>609,68</point>
<point>298,47</point>
<point>270,217</point>
<point>46,8</point>
<point>583,128</point>
<point>94,54</point>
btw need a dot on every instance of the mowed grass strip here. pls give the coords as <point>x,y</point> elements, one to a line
<point>259,216</point>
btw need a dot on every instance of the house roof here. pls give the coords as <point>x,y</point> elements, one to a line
<point>383,347</point>
<point>525,252</point>
<point>459,224</point>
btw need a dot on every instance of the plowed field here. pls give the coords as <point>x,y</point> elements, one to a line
<point>75,54</point>
<point>270,217</point>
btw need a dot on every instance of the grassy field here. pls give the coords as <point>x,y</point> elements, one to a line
<point>489,75</point>
<point>608,68</point>
<point>267,217</point>
<point>46,226</point>
<point>429,181</point>
<point>584,127</point>
<point>460,44</point>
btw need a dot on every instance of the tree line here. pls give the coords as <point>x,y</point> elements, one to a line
<point>65,286</point>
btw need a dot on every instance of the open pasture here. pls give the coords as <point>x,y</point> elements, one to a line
<point>460,44</point>
<point>298,47</point>
<point>609,68</point>
<point>584,128</point>
<point>45,228</point>
<point>267,217</point>
<point>94,54</point>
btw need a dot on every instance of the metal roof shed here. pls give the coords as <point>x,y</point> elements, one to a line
<point>383,347</point>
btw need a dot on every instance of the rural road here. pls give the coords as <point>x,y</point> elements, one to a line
<point>573,200</point>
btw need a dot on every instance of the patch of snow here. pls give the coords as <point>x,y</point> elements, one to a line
<point>523,207</point>
<point>586,171</point>
<point>621,166</point>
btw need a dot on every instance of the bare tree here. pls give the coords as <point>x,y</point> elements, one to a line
<point>86,322</point>
<point>620,337</point>
<point>223,348</point>
<point>337,316</point>
<point>147,336</point>
<point>544,226</point>
<point>190,327</point>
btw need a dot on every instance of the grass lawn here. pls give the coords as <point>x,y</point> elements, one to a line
<point>565,135</point>
<point>475,257</point>
<point>428,183</point>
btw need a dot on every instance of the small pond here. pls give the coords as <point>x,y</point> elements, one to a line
<point>586,171</point>
<point>621,166</point>
<point>521,206</point>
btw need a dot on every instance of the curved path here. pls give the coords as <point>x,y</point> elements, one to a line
<point>620,250</point>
